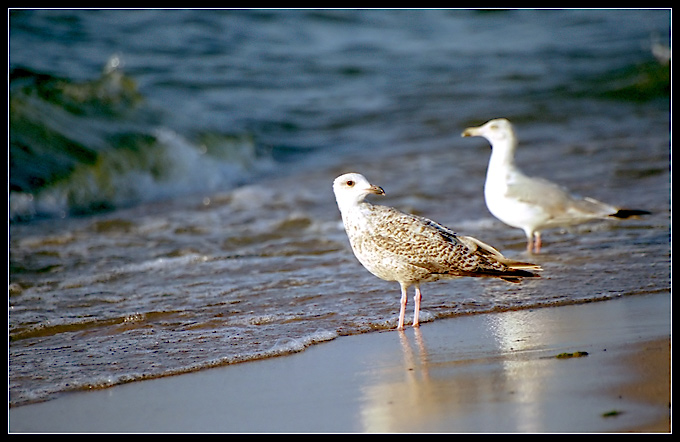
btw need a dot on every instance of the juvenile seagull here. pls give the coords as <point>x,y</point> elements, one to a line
<point>528,203</point>
<point>410,249</point>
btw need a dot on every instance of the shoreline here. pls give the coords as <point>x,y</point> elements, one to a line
<point>488,373</point>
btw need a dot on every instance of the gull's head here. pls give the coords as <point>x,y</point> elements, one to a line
<point>351,188</point>
<point>496,131</point>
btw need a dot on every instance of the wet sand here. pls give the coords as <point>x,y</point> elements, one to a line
<point>490,373</point>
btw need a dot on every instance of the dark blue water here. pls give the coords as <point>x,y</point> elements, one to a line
<point>170,172</point>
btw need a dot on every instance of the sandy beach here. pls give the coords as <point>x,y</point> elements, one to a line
<point>596,367</point>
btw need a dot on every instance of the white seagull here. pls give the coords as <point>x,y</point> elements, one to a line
<point>410,249</point>
<point>529,203</point>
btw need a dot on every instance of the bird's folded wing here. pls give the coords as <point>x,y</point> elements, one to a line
<point>555,200</point>
<point>427,244</point>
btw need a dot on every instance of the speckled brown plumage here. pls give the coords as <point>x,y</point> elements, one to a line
<point>410,249</point>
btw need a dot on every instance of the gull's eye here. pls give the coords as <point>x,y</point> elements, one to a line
<point>350,183</point>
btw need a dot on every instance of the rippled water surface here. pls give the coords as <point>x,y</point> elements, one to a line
<point>170,173</point>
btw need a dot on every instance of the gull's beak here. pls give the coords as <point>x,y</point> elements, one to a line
<point>470,132</point>
<point>376,189</point>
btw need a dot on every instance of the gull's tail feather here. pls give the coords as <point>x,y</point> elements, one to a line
<point>517,274</point>
<point>527,267</point>
<point>520,270</point>
<point>517,269</point>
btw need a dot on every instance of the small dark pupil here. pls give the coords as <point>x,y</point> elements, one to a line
<point>350,183</point>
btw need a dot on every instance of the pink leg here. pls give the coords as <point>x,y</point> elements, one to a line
<point>533,242</point>
<point>416,312</point>
<point>402,310</point>
<point>537,242</point>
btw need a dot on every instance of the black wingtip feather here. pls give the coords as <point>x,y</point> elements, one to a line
<point>627,213</point>
<point>517,276</point>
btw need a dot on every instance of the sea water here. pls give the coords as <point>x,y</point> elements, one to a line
<point>170,199</point>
